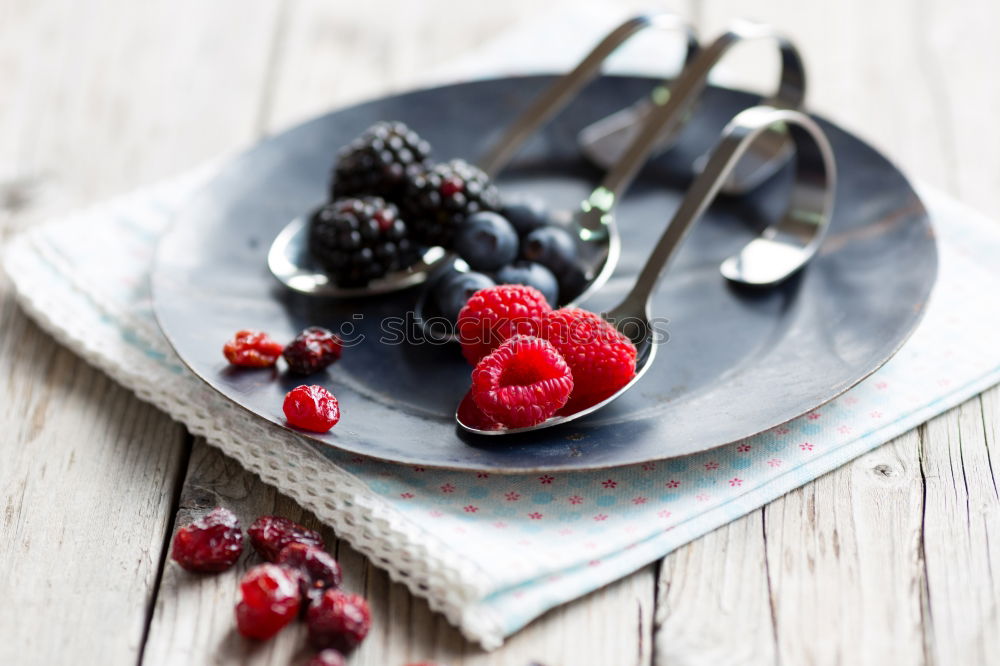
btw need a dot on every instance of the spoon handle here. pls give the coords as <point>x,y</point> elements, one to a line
<point>782,248</point>
<point>560,93</point>
<point>684,94</point>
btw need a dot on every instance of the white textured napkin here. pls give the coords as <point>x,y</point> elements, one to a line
<point>493,552</point>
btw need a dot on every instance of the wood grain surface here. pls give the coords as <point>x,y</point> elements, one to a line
<point>888,560</point>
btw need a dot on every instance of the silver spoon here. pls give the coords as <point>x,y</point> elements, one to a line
<point>604,141</point>
<point>780,250</point>
<point>288,258</point>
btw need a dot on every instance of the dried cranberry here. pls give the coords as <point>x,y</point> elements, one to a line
<point>211,543</point>
<point>318,568</point>
<point>311,408</point>
<point>270,534</point>
<point>270,601</point>
<point>312,350</point>
<point>328,657</point>
<point>252,349</point>
<point>338,620</point>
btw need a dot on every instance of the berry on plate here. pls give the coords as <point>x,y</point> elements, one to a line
<point>311,408</point>
<point>525,213</point>
<point>252,349</point>
<point>533,275</point>
<point>601,358</point>
<point>522,383</point>
<point>552,247</point>
<point>452,292</point>
<point>270,535</point>
<point>318,568</point>
<point>270,600</point>
<point>357,240</point>
<point>211,543</point>
<point>312,350</point>
<point>338,620</point>
<point>379,161</point>
<point>486,241</point>
<point>439,200</point>
<point>495,314</point>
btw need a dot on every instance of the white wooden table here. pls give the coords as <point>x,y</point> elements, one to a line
<point>893,558</point>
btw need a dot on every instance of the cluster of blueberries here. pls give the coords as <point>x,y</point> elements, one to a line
<point>521,244</point>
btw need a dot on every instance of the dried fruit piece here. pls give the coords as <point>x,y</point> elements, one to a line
<point>270,600</point>
<point>269,535</point>
<point>211,543</point>
<point>601,358</point>
<point>318,568</point>
<point>252,349</point>
<point>522,383</point>
<point>328,657</point>
<point>338,620</point>
<point>495,314</point>
<point>312,350</point>
<point>311,408</point>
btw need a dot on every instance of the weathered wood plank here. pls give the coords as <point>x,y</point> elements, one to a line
<point>961,519</point>
<point>96,103</point>
<point>713,604</point>
<point>845,566</point>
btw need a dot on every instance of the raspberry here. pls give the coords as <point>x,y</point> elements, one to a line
<point>252,349</point>
<point>328,657</point>
<point>211,543</point>
<point>270,600</point>
<point>269,535</point>
<point>522,383</point>
<point>338,620</point>
<point>601,358</point>
<point>318,568</point>
<point>311,408</point>
<point>312,350</point>
<point>496,313</point>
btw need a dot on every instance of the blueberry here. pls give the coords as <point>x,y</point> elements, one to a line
<point>552,247</point>
<point>531,274</point>
<point>525,213</point>
<point>486,241</point>
<point>451,292</point>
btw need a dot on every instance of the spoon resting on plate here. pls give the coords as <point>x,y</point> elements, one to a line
<point>289,259</point>
<point>780,251</point>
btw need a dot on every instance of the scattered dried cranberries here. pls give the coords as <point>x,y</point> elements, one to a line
<point>318,568</point>
<point>270,601</point>
<point>312,350</point>
<point>211,543</point>
<point>311,408</point>
<point>338,620</point>
<point>252,349</point>
<point>270,534</point>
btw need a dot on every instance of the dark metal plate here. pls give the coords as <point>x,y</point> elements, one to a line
<point>737,362</point>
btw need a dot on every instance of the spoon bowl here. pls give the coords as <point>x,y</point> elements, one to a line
<point>779,252</point>
<point>290,262</point>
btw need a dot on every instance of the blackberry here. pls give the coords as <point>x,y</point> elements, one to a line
<point>437,201</point>
<point>359,240</point>
<point>379,161</point>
